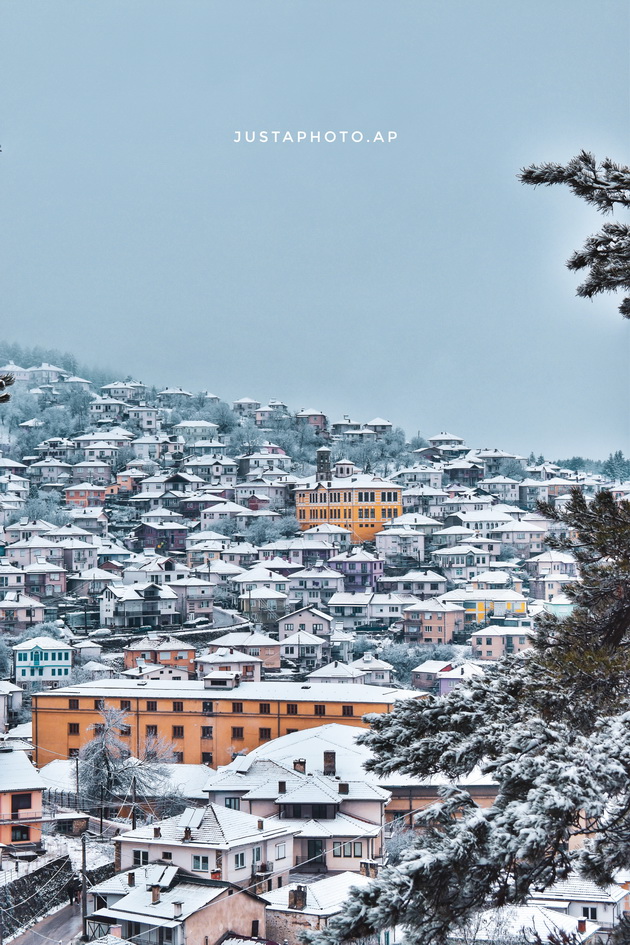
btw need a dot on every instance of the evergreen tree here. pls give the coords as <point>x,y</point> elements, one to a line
<point>6,380</point>
<point>552,727</point>
<point>606,255</point>
<point>616,466</point>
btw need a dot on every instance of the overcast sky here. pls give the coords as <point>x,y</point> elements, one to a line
<point>415,280</point>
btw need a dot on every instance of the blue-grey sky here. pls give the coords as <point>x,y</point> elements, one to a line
<point>416,280</point>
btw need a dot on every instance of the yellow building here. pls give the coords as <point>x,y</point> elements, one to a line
<point>340,495</point>
<point>205,723</point>
<point>482,605</point>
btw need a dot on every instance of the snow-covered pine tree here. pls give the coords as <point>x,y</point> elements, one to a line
<point>552,727</point>
<point>6,380</point>
<point>606,255</point>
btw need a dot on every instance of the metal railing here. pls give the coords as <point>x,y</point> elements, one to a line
<point>27,814</point>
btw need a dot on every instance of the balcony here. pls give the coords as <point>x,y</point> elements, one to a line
<point>311,865</point>
<point>24,816</point>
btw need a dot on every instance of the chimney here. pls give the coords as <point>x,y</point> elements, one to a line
<point>187,833</point>
<point>156,833</point>
<point>344,788</point>
<point>282,787</point>
<point>177,909</point>
<point>581,926</point>
<point>155,894</point>
<point>299,764</point>
<point>330,762</point>
<point>297,898</point>
<point>261,825</point>
<point>131,879</point>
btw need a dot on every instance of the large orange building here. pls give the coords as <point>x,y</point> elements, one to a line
<point>205,722</point>
<point>360,502</point>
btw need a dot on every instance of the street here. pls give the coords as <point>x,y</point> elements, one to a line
<point>61,927</point>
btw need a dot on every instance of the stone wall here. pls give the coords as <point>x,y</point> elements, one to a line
<point>29,898</point>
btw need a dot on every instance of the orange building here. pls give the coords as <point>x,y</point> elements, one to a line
<point>206,721</point>
<point>360,502</point>
<point>21,789</point>
<point>85,495</point>
<point>161,649</point>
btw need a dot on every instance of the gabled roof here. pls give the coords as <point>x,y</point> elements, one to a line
<point>324,897</point>
<point>337,670</point>
<point>213,826</point>
<point>227,655</point>
<point>42,643</point>
<point>17,773</point>
<point>432,666</point>
<point>342,825</point>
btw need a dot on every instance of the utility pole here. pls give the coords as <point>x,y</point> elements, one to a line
<point>133,808</point>
<point>101,824</point>
<point>84,884</point>
<point>76,771</point>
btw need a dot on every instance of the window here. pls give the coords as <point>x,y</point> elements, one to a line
<point>237,732</point>
<point>588,912</point>
<point>337,848</point>
<point>200,863</point>
<point>178,731</point>
<point>207,708</point>
<point>257,857</point>
<point>264,708</point>
<point>239,861</point>
<point>234,803</point>
<point>20,833</point>
<point>125,730</point>
<point>320,710</point>
<point>167,855</point>
<point>125,705</point>
<point>178,757</point>
<point>99,704</point>
<point>281,851</point>
<point>178,707</point>
<point>20,802</point>
<point>292,708</point>
<point>347,710</point>
<point>264,734</point>
<point>140,857</point>
<point>358,848</point>
<point>237,707</point>
<point>151,706</point>
<point>347,849</point>
<point>73,728</point>
<point>151,731</point>
<point>206,757</point>
<point>206,731</point>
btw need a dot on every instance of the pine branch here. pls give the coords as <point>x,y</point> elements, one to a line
<point>606,254</point>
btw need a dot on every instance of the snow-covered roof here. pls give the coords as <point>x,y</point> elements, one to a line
<point>432,666</point>
<point>214,826</point>
<point>325,897</point>
<point>17,773</point>
<point>42,643</point>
